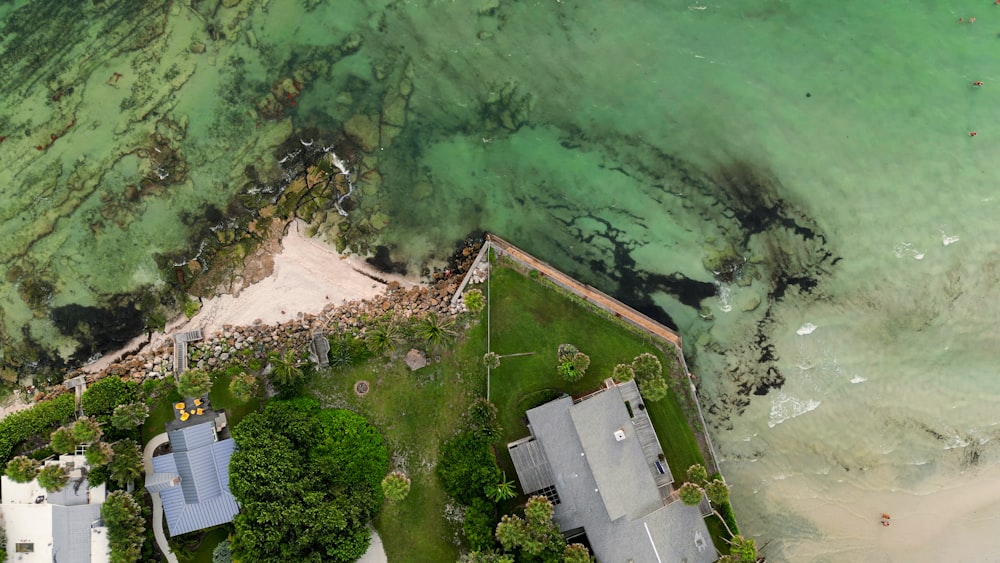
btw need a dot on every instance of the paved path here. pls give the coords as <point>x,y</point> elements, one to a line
<point>147,462</point>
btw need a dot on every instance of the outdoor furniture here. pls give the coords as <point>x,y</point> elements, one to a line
<point>197,403</point>
<point>179,406</point>
<point>184,416</point>
<point>200,411</point>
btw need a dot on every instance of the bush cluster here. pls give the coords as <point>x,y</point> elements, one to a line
<point>36,421</point>
<point>101,398</point>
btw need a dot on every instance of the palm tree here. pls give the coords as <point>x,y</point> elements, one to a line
<point>436,330</point>
<point>286,368</point>
<point>501,491</point>
<point>382,337</point>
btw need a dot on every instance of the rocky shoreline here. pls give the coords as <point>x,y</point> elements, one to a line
<point>256,340</point>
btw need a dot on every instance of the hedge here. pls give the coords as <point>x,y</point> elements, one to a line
<point>39,420</point>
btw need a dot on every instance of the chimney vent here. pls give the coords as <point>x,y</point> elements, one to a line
<point>619,435</point>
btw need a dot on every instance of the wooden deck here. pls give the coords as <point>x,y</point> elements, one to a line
<point>180,349</point>
<point>650,443</point>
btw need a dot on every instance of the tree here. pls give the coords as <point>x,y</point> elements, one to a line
<point>126,463</point>
<point>323,469</point>
<point>501,491</point>
<point>491,360</point>
<point>744,550</point>
<point>99,453</point>
<point>697,474</point>
<point>53,478</point>
<point>129,416</point>
<point>654,389</point>
<point>488,556</point>
<point>717,492</point>
<point>126,526</point>
<point>194,383</point>
<point>573,363</point>
<point>435,330</point>
<point>646,366</point>
<point>383,337</point>
<point>535,534</point>
<point>623,372</point>
<point>22,469</point>
<point>244,387</point>
<point>62,440</point>
<point>474,300</point>
<point>395,486</point>
<point>101,398</point>
<point>466,466</point>
<point>286,368</point>
<point>86,430</point>
<point>482,418</point>
<point>690,494</point>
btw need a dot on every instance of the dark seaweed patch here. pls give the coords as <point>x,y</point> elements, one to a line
<point>100,329</point>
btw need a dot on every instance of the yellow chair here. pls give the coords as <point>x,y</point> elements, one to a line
<point>197,402</point>
<point>184,416</point>
<point>200,411</point>
<point>179,406</point>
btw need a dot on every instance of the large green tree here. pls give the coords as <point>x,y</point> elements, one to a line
<point>101,398</point>
<point>86,430</point>
<point>62,440</point>
<point>126,526</point>
<point>308,481</point>
<point>126,463</point>
<point>534,536</point>
<point>244,387</point>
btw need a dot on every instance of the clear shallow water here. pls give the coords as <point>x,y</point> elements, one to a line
<point>650,138</point>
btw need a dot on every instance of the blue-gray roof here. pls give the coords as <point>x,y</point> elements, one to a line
<point>193,481</point>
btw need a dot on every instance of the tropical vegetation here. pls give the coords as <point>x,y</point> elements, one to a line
<point>123,516</point>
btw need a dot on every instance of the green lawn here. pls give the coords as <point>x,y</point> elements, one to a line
<point>220,398</point>
<point>159,414</point>
<point>195,551</point>
<point>415,411</point>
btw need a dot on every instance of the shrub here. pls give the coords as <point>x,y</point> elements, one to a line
<point>126,526</point>
<point>126,463</point>
<point>62,440</point>
<point>101,398</point>
<point>222,552</point>
<point>53,478</point>
<point>244,387</point>
<point>395,486</point>
<point>22,469</point>
<point>623,372</point>
<point>347,350</point>
<point>466,466</point>
<point>194,383</point>
<point>480,522</point>
<point>38,420</point>
<point>191,308</point>
<point>482,419</point>
<point>474,300</point>
<point>726,511</point>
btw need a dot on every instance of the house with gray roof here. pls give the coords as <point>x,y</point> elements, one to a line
<point>193,480</point>
<point>599,461</point>
<point>64,526</point>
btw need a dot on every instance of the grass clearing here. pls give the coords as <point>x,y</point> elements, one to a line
<point>415,411</point>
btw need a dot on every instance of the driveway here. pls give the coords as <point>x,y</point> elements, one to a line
<point>147,463</point>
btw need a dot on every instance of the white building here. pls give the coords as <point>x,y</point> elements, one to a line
<point>61,527</point>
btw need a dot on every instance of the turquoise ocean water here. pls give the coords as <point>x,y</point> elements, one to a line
<point>819,150</point>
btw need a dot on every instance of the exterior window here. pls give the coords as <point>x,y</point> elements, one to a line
<point>24,547</point>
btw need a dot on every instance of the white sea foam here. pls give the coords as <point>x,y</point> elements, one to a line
<point>947,239</point>
<point>901,249</point>
<point>805,329</point>
<point>785,407</point>
<point>725,298</point>
<point>858,379</point>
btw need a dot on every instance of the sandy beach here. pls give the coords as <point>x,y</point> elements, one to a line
<point>308,275</point>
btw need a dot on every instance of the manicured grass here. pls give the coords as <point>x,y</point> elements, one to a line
<point>415,411</point>
<point>159,414</point>
<point>221,398</point>
<point>203,554</point>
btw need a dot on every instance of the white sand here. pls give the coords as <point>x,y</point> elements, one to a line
<point>308,275</point>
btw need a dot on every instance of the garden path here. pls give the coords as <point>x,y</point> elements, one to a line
<point>147,463</point>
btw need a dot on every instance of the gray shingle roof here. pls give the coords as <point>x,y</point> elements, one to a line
<point>605,485</point>
<point>201,464</point>
<point>71,531</point>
